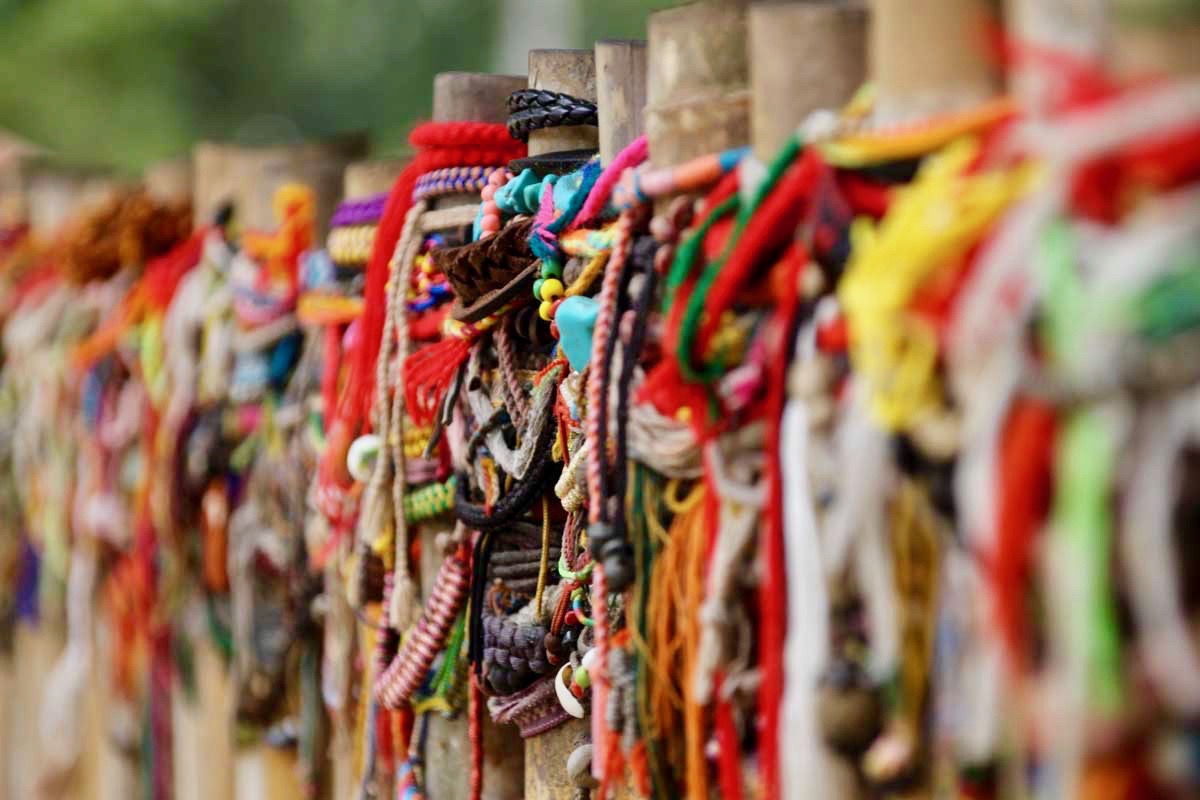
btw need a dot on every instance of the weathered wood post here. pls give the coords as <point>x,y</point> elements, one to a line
<point>698,92</point>
<point>620,93</point>
<point>804,56</point>
<point>930,57</point>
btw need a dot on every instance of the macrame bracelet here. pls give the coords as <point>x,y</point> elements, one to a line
<point>533,710</point>
<point>532,110</point>
<point>451,180</point>
<point>430,501</point>
<point>359,212</point>
<point>351,244</point>
<point>407,671</point>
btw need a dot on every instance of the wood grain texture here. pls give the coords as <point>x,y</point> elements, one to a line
<point>804,56</point>
<point>620,92</point>
<point>697,94</point>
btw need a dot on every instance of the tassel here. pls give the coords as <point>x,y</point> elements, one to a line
<point>402,610</point>
<point>428,374</point>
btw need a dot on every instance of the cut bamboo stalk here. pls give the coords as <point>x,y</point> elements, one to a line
<point>248,177</point>
<point>804,56</point>
<point>474,97</point>
<point>170,181</point>
<point>697,95</point>
<point>364,179</point>
<point>620,93</point>
<point>930,57</point>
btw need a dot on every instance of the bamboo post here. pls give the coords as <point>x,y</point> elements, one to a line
<point>571,72</point>
<point>369,178</point>
<point>930,57</point>
<point>16,157</point>
<point>169,180</point>
<point>697,96</point>
<point>249,177</point>
<point>620,93</point>
<point>217,175</point>
<point>202,733</point>
<point>546,775</point>
<point>804,56</point>
<point>1155,38</point>
<point>59,193</point>
<point>473,97</point>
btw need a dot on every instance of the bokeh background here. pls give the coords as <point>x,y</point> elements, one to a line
<point>123,83</point>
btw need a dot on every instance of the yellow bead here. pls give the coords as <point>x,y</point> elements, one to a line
<point>552,288</point>
<point>544,310</point>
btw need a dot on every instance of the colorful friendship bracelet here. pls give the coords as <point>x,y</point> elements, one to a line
<point>451,180</point>
<point>358,212</point>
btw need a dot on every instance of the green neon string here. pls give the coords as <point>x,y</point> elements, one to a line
<point>443,682</point>
<point>687,252</point>
<point>1082,518</point>
<point>1066,303</point>
<point>1085,469</point>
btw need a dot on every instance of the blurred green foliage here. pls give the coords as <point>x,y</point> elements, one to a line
<point>127,82</point>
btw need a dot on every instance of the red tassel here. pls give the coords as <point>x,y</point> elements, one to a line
<point>428,374</point>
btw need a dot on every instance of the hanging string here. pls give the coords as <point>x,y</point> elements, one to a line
<point>773,592</point>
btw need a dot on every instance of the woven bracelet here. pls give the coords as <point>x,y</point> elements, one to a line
<point>450,180</point>
<point>532,110</point>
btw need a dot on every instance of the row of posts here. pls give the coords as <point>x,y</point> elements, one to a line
<point>712,75</point>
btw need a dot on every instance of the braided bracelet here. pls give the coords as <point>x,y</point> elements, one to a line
<point>533,109</point>
<point>451,180</point>
<point>359,212</point>
<point>351,244</point>
<point>430,501</point>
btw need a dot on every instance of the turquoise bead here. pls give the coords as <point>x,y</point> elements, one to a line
<point>576,320</point>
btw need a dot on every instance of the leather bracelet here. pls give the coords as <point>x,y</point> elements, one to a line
<point>532,109</point>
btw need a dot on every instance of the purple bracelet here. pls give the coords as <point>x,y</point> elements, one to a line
<point>359,212</point>
<point>451,180</point>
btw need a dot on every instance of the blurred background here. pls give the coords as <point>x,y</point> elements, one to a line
<point>125,83</point>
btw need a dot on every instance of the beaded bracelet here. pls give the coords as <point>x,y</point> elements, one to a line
<point>451,180</point>
<point>532,109</point>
